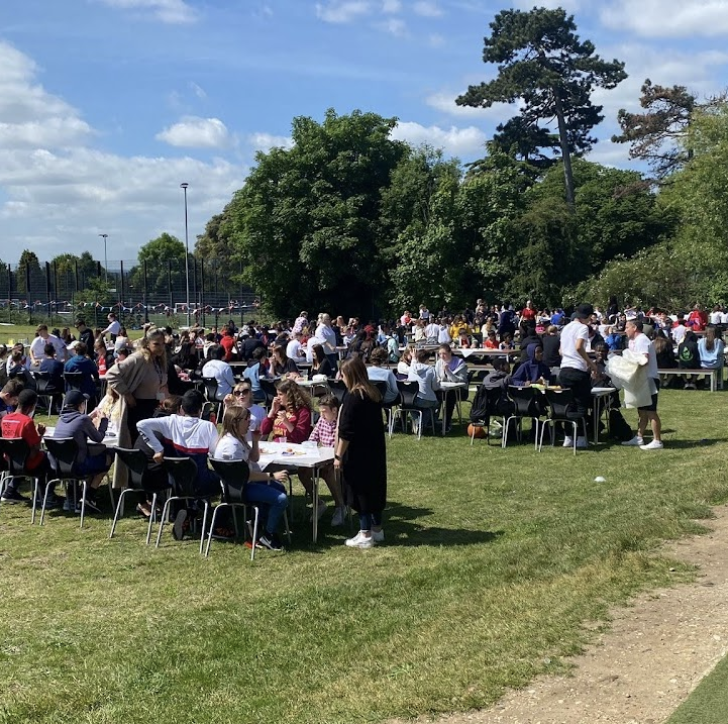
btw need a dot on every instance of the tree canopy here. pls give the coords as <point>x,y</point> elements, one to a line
<point>542,62</point>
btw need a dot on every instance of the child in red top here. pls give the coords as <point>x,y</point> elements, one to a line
<point>290,414</point>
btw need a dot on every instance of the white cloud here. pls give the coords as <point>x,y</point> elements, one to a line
<point>427,9</point>
<point>193,132</point>
<point>174,12</point>
<point>57,190</point>
<point>568,5</point>
<point>342,11</point>
<point>394,26</point>
<point>669,18</point>
<point>266,141</point>
<point>391,6</point>
<point>445,102</point>
<point>454,141</point>
<point>435,40</point>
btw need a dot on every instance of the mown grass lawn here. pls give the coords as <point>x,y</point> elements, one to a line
<point>495,562</point>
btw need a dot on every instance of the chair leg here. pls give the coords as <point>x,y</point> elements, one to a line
<point>45,503</point>
<point>204,523</point>
<point>35,497</point>
<point>256,519</point>
<point>152,518</point>
<point>288,527</point>
<point>117,511</point>
<point>212,527</point>
<point>165,513</point>
<point>535,437</point>
<point>83,500</point>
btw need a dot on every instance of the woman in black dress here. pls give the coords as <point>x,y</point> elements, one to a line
<point>361,453</point>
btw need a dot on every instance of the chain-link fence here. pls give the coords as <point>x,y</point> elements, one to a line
<point>136,292</point>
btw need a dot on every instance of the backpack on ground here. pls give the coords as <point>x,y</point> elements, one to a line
<point>619,429</point>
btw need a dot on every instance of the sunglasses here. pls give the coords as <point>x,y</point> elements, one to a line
<point>240,393</point>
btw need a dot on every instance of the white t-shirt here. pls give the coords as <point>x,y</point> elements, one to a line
<point>678,333</point>
<point>230,448</point>
<point>38,345</point>
<point>258,414</point>
<point>294,350</point>
<point>443,335</point>
<point>641,344</point>
<point>716,317</point>
<point>113,328</point>
<point>569,335</point>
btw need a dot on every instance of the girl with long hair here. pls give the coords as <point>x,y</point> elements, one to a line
<point>289,418</point>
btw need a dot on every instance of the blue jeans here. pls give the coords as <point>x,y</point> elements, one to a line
<point>367,520</point>
<point>273,495</point>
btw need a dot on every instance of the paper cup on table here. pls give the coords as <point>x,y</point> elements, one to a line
<point>283,439</point>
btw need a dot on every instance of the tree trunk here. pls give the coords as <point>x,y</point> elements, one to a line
<point>565,155</point>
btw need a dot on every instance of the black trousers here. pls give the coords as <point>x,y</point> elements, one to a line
<point>579,383</point>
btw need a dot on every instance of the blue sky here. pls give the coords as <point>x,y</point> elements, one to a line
<point>106,106</point>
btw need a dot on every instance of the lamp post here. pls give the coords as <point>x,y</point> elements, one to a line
<point>106,263</point>
<point>187,254</point>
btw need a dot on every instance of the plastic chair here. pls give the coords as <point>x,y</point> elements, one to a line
<point>136,463</point>
<point>63,459</point>
<point>234,474</point>
<point>560,401</point>
<point>408,395</point>
<point>338,390</point>
<point>45,387</point>
<point>16,451</point>
<point>182,476</point>
<point>526,406</point>
<point>389,406</point>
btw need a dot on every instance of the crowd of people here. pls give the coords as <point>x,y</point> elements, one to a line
<point>146,393</point>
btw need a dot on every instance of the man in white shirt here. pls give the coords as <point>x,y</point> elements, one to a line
<point>443,334</point>
<point>432,333</point>
<point>577,368</point>
<point>219,370</point>
<point>37,346</point>
<point>716,316</point>
<point>641,344</point>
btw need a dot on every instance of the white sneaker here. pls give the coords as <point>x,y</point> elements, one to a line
<point>378,536</point>
<point>568,441</point>
<point>581,443</point>
<point>636,440</point>
<point>339,517</point>
<point>360,541</point>
<point>654,445</point>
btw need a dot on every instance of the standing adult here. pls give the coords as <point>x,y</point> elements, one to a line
<point>577,367</point>
<point>326,334</point>
<point>85,335</point>
<point>140,381</point>
<point>113,328</point>
<point>37,346</point>
<point>361,452</point>
<point>640,344</point>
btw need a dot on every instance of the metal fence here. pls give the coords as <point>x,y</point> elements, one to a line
<point>136,292</point>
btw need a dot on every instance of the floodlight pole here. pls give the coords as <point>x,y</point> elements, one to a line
<point>106,262</point>
<point>187,254</point>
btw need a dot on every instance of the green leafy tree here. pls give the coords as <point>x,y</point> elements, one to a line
<point>308,219</point>
<point>157,254</point>
<point>71,274</point>
<point>542,62</point>
<point>29,270</point>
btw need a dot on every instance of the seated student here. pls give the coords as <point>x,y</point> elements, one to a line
<point>320,363</point>
<point>491,340</point>
<point>290,414</point>
<point>710,349</point>
<point>449,368</point>
<point>266,488</point>
<point>185,435</point>
<point>378,373</point>
<point>52,367</point>
<point>688,357</point>
<point>254,371</point>
<point>424,375</point>
<point>18,370</point>
<point>9,396</point>
<point>20,424</point>
<point>283,366</point>
<point>155,477</point>
<point>75,423</point>
<point>90,372</point>
<point>220,371</point>
<point>533,371</point>
<point>403,366</point>
<point>324,433</point>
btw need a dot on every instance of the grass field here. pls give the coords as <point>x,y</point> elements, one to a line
<point>498,566</point>
<point>708,704</point>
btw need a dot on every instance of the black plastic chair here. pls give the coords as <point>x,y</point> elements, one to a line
<point>182,476</point>
<point>561,402</point>
<point>525,401</point>
<point>47,388</point>
<point>136,463</point>
<point>16,452</point>
<point>234,474</point>
<point>408,395</point>
<point>388,407</point>
<point>269,389</point>
<point>338,390</point>
<point>63,459</point>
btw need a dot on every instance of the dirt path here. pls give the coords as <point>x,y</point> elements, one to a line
<point>653,656</point>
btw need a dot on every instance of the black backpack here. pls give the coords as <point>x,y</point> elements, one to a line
<point>479,408</point>
<point>619,429</point>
